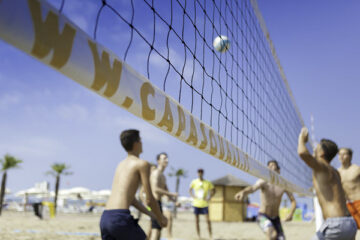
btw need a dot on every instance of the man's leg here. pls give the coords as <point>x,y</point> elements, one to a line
<point>149,231</point>
<point>155,230</point>
<point>197,224</point>
<point>271,233</point>
<point>155,234</point>
<point>168,215</point>
<point>209,225</point>
<point>266,226</point>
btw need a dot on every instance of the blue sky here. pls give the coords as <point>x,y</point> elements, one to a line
<point>48,118</point>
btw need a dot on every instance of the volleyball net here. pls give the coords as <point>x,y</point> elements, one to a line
<point>156,60</point>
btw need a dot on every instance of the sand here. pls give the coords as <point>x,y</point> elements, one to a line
<point>25,226</point>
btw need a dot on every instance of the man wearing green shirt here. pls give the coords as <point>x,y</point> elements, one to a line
<point>201,191</point>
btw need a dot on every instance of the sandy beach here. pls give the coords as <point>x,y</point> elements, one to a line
<point>25,226</point>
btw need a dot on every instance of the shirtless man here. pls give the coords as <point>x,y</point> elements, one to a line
<point>159,189</point>
<point>270,199</point>
<point>350,179</point>
<point>116,222</point>
<point>338,223</point>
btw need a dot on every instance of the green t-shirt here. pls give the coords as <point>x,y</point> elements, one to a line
<point>201,189</point>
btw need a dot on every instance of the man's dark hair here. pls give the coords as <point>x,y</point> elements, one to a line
<point>349,150</point>
<point>200,170</point>
<point>159,155</point>
<point>274,161</point>
<point>128,138</point>
<point>330,149</point>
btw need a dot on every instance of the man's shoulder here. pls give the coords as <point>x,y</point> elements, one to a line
<point>194,182</point>
<point>142,163</point>
<point>356,167</point>
<point>262,183</point>
<point>209,183</point>
<point>354,170</point>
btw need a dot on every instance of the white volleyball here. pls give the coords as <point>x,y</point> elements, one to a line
<point>221,43</point>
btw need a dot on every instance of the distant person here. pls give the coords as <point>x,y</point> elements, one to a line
<point>204,191</point>
<point>116,221</point>
<point>91,205</point>
<point>79,197</point>
<point>38,209</point>
<point>350,180</point>
<point>26,201</point>
<point>338,222</point>
<point>159,189</point>
<point>270,200</point>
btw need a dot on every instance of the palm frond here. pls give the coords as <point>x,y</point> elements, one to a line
<point>52,173</point>
<point>59,169</point>
<point>9,162</point>
<point>177,172</point>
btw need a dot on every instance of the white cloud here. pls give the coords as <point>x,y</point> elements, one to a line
<point>74,112</point>
<point>32,147</point>
<point>9,99</point>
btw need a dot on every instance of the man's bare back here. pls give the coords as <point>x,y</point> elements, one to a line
<point>326,179</point>
<point>338,223</point>
<point>330,193</point>
<point>116,221</point>
<point>126,182</point>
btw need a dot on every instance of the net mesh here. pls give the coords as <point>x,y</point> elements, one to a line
<point>240,93</point>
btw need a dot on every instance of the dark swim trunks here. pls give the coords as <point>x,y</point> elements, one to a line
<point>265,222</point>
<point>154,223</point>
<point>119,224</point>
<point>198,211</point>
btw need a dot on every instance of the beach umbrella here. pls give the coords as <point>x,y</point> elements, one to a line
<point>104,193</point>
<point>32,192</point>
<point>79,190</point>
<point>100,195</point>
<point>74,193</point>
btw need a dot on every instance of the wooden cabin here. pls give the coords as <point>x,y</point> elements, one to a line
<point>222,206</point>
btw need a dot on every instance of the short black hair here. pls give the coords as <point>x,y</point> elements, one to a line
<point>128,138</point>
<point>200,170</point>
<point>159,155</point>
<point>330,149</point>
<point>274,161</point>
<point>349,150</point>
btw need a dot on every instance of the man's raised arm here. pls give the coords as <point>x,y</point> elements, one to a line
<point>304,153</point>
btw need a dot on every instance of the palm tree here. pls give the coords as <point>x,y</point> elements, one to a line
<point>58,169</point>
<point>178,173</point>
<point>7,163</point>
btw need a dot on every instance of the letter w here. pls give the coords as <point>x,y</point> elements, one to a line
<point>47,36</point>
<point>104,74</point>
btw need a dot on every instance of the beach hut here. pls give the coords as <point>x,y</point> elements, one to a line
<point>222,206</point>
